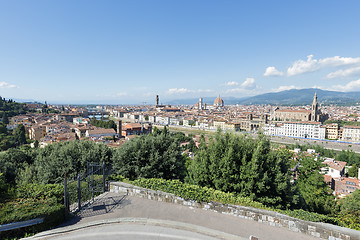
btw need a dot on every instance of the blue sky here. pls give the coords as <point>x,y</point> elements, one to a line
<point>128,51</point>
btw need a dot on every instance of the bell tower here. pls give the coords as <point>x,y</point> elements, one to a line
<point>314,109</point>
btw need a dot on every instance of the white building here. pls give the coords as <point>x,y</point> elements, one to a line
<point>335,169</point>
<point>188,122</point>
<point>351,133</point>
<point>80,120</point>
<point>175,121</point>
<point>163,120</point>
<point>296,129</point>
<point>152,119</point>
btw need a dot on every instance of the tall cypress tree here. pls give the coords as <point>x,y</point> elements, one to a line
<point>19,135</point>
<point>198,170</point>
<point>5,119</point>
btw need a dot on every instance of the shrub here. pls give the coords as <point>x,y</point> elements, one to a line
<point>33,201</point>
<point>196,193</point>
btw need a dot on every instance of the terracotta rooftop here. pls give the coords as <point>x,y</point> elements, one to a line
<point>101,131</point>
<point>337,165</point>
<point>327,178</point>
<point>292,110</point>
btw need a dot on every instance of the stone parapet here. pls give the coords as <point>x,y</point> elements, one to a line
<point>320,230</point>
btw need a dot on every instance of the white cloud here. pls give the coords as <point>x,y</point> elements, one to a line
<point>351,86</point>
<point>344,73</point>
<point>178,90</point>
<point>272,71</point>
<point>301,66</point>
<point>185,90</point>
<point>121,94</point>
<point>312,65</point>
<point>232,83</point>
<point>247,86</point>
<point>6,85</point>
<point>249,83</point>
<point>338,61</point>
<point>283,88</point>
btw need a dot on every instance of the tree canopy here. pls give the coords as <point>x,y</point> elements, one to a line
<point>104,124</point>
<point>312,187</point>
<point>351,203</point>
<point>157,155</point>
<point>237,163</point>
<point>54,160</point>
<point>9,108</point>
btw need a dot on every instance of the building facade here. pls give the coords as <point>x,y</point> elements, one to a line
<point>313,115</point>
<point>296,129</point>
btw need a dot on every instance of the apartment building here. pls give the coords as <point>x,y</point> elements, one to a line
<point>332,131</point>
<point>351,133</point>
<point>36,132</point>
<point>346,186</point>
<point>335,169</point>
<point>296,129</point>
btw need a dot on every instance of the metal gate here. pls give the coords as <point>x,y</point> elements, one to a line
<point>79,193</point>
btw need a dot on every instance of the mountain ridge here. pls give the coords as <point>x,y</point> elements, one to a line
<point>303,96</point>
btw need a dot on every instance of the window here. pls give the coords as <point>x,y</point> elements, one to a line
<point>350,183</point>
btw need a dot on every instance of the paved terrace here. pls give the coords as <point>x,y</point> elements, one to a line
<point>118,216</point>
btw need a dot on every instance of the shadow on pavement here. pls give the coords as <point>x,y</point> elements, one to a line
<point>102,205</point>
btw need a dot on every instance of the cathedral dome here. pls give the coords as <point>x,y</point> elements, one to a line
<point>219,102</point>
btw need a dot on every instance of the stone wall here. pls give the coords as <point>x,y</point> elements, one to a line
<point>320,230</point>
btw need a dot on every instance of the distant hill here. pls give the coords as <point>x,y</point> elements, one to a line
<point>207,100</point>
<point>303,97</point>
<point>287,97</point>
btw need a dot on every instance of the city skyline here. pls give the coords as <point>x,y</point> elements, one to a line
<point>128,52</point>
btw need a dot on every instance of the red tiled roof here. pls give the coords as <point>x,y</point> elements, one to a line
<point>327,178</point>
<point>337,165</point>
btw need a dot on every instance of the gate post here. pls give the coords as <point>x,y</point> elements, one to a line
<point>66,205</point>
<point>79,192</point>
<point>103,172</point>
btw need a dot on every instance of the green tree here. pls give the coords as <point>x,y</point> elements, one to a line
<point>348,156</point>
<point>54,160</point>
<point>155,131</point>
<point>103,123</point>
<point>354,171</point>
<point>36,144</point>
<point>198,169</point>
<point>150,156</point>
<point>312,187</point>
<point>351,204</point>
<point>5,119</point>
<point>11,162</point>
<point>233,163</point>
<point>26,175</point>
<point>19,135</point>
<point>3,188</point>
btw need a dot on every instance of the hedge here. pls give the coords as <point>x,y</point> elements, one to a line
<point>33,201</point>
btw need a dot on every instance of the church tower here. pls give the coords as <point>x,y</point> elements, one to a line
<point>157,100</point>
<point>315,110</point>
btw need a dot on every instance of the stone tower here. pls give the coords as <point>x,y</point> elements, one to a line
<point>157,100</point>
<point>119,127</point>
<point>201,104</point>
<point>315,110</point>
